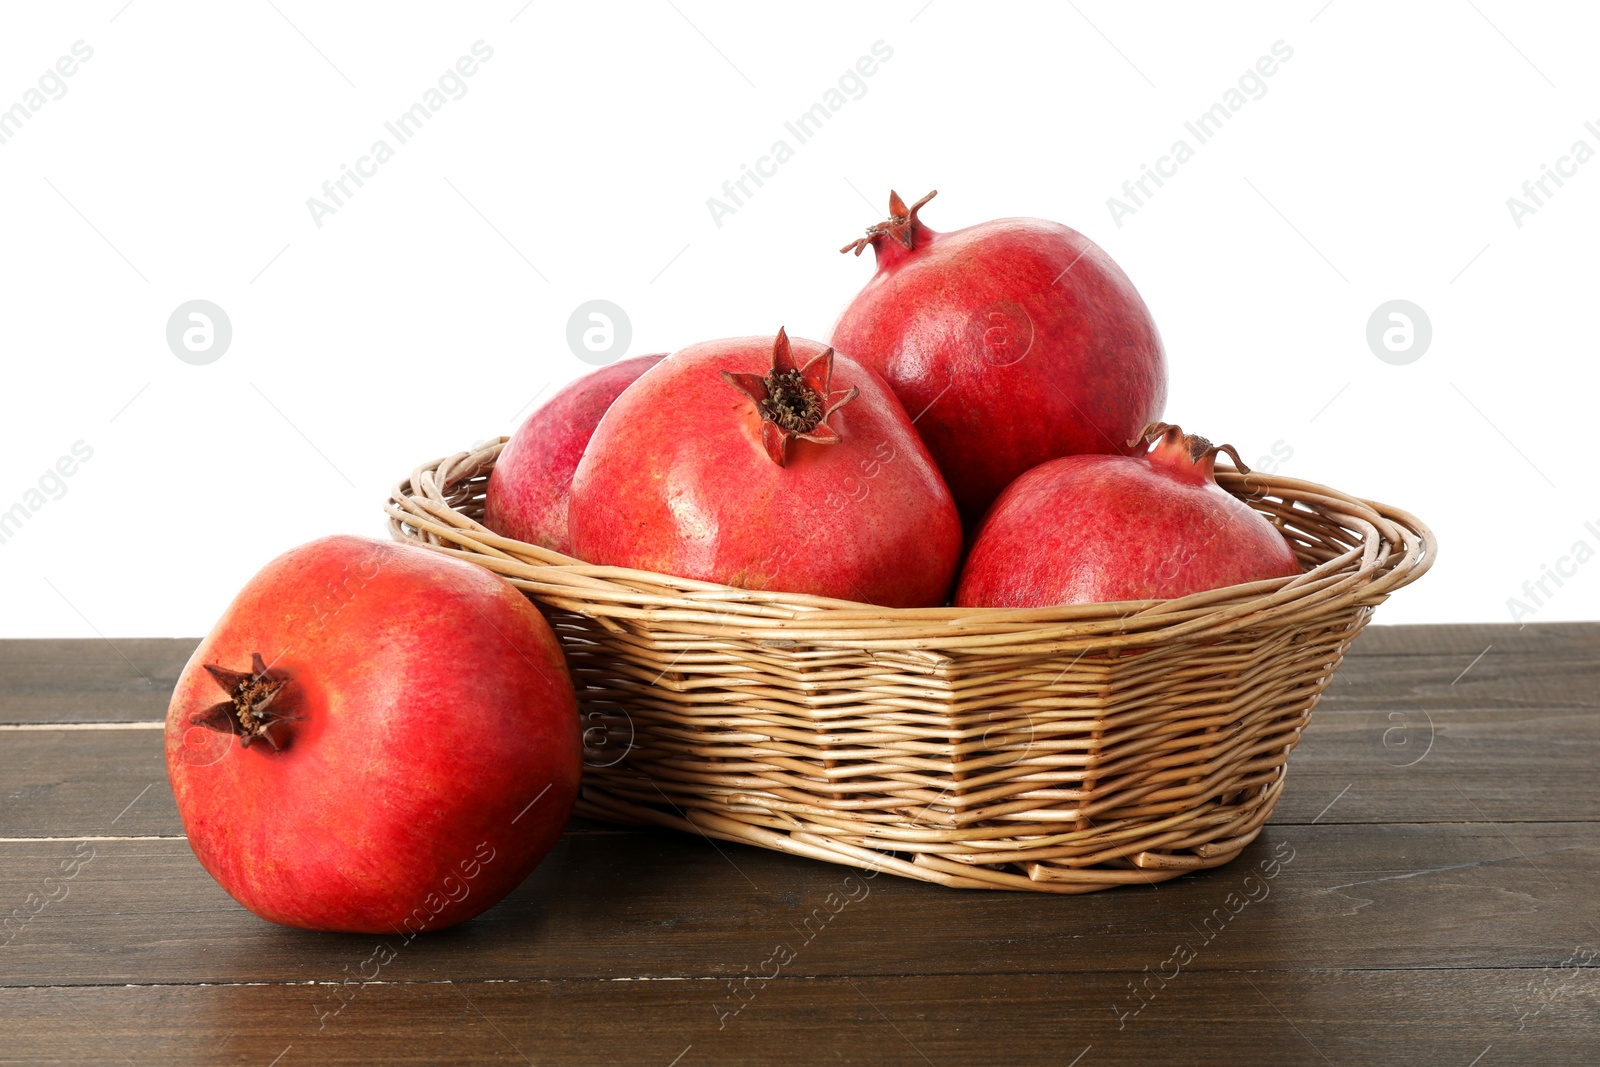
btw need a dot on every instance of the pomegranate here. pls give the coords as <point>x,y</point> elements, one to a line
<point>767,464</point>
<point>527,493</point>
<point>374,738</point>
<point>1089,529</point>
<point>1010,343</point>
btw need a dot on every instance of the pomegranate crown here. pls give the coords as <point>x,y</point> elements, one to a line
<point>793,401</point>
<point>901,225</point>
<point>1170,439</point>
<point>248,713</point>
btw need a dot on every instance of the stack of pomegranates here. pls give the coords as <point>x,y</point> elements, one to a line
<point>994,390</point>
<point>383,739</point>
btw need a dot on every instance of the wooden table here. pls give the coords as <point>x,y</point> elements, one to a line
<point>1436,902</point>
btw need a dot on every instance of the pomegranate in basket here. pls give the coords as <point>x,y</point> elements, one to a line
<point>1011,342</point>
<point>526,497</point>
<point>1092,529</point>
<point>767,464</point>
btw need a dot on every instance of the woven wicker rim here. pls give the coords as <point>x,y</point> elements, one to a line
<point>1385,548</point>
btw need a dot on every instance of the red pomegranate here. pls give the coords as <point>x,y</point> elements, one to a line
<point>527,493</point>
<point>1094,529</point>
<point>767,465</point>
<point>1010,343</point>
<point>374,738</point>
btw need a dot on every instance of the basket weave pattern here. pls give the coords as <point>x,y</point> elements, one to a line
<point>1062,750</point>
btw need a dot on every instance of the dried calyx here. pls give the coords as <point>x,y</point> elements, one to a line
<point>901,224</point>
<point>1172,441</point>
<point>249,711</point>
<point>793,401</point>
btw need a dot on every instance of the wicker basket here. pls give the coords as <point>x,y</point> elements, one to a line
<point>1061,750</point>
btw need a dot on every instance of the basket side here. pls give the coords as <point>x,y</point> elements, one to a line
<point>1059,750</point>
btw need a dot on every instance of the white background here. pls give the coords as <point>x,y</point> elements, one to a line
<point>431,308</point>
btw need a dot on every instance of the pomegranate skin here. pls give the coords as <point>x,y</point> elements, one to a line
<point>677,480</point>
<point>431,760</point>
<point>526,497</point>
<point>1098,529</point>
<point>1011,342</point>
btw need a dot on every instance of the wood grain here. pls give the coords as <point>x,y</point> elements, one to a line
<point>77,782</point>
<point>126,680</point>
<point>1285,1018</point>
<point>1409,763</point>
<point>1546,640</point>
<point>665,905</point>
<point>1490,680</point>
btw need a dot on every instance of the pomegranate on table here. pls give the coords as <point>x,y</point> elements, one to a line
<point>1089,529</point>
<point>767,464</point>
<point>526,497</point>
<point>374,738</point>
<point>1010,342</point>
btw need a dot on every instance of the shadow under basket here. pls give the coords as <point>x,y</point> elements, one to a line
<point>1059,750</point>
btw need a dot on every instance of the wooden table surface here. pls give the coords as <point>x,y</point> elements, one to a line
<point>1437,901</point>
